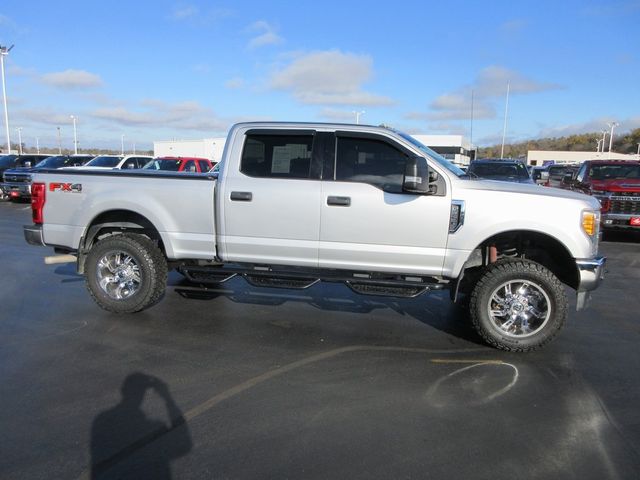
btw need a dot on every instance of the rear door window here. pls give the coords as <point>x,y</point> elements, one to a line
<point>277,156</point>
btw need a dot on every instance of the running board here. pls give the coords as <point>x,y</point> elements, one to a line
<point>294,283</point>
<point>206,275</point>
<point>384,290</point>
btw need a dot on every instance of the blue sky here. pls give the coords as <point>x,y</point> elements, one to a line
<point>163,69</point>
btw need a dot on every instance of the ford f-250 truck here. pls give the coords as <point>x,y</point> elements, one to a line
<point>292,204</point>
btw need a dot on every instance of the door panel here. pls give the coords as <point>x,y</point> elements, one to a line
<point>383,231</point>
<point>271,205</point>
<point>368,223</point>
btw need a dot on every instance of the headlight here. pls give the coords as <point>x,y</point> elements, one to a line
<point>591,226</point>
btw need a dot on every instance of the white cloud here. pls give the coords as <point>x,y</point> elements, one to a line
<point>188,115</point>
<point>489,86</point>
<point>513,26</point>
<point>266,35</point>
<point>72,79</point>
<point>184,11</point>
<point>235,83</point>
<point>329,78</point>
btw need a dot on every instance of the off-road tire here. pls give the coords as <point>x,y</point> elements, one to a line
<point>504,271</point>
<point>153,272</point>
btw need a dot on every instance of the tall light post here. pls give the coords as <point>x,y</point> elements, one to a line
<point>611,125</point>
<point>358,114</point>
<point>604,138</point>
<point>598,143</point>
<point>19,129</point>
<point>122,144</point>
<point>638,151</point>
<point>506,114</point>
<point>59,142</point>
<point>37,145</point>
<point>4,51</point>
<point>75,134</point>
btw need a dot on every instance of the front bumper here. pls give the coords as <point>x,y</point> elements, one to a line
<point>591,274</point>
<point>33,235</point>
<point>618,220</point>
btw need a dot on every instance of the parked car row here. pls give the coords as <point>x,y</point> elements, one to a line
<point>17,170</point>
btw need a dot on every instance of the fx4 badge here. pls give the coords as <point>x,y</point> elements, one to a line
<point>65,187</point>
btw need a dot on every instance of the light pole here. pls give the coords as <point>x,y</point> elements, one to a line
<point>59,142</point>
<point>122,144</point>
<point>604,138</point>
<point>358,114</point>
<point>506,113</point>
<point>19,129</point>
<point>75,134</point>
<point>37,145</point>
<point>638,151</point>
<point>4,51</point>
<point>611,125</point>
<point>598,143</point>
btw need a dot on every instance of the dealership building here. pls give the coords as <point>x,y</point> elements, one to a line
<point>544,157</point>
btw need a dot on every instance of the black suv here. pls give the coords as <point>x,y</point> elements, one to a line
<point>500,169</point>
<point>17,181</point>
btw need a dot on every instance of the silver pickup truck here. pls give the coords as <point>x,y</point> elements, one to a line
<point>296,203</point>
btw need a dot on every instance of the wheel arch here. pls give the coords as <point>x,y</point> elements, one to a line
<point>533,245</point>
<point>113,222</point>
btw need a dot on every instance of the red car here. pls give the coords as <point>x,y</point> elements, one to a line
<point>180,164</point>
<point>616,183</point>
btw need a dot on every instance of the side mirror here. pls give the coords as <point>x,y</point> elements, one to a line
<point>417,176</point>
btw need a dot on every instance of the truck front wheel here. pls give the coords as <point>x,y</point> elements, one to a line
<point>518,305</point>
<point>126,273</point>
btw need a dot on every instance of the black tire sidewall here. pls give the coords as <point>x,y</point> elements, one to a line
<point>502,272</point>
<point>133,248</point>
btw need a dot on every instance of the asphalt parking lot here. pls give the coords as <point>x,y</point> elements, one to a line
<point>241,382</point>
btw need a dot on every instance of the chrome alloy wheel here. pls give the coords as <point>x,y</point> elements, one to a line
<point>118,275</point>
<point>519,308</point>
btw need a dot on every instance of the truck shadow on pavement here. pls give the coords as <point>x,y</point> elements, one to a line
<point>122,436</point>
<point>432,309</point>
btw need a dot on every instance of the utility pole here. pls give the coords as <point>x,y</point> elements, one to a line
<point>506,113</point>
<point>75,135</point>
<point>19,129</point>
<point>59,142</point>
<point>611,125</point>
<point>4,51</point>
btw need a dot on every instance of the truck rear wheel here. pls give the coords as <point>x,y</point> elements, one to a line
<point>126,273</point>
<point>518,305</point>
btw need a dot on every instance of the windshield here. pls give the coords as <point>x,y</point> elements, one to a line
<point>435,156</point>
<point>610,172</point>
<point>167,164</point>
<point>7,160</point>
<point>56,161</point>
<point>104,161</point>
<point>499,170</point>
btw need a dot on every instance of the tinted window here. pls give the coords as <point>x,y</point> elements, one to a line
<point>190,166</point>
<point>279,156</point>
<point>7,161</point>
<point>104,161</point>
<point>370,161</point>
<point>581,173</point>
<point>609,172</point>
<point>204,166</point>
<point>167,164</point>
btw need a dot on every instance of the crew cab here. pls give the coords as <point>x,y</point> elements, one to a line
<point>294,203</point>
<point>616,184</point>
<point>180,164</point>
<point>17,181</point>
